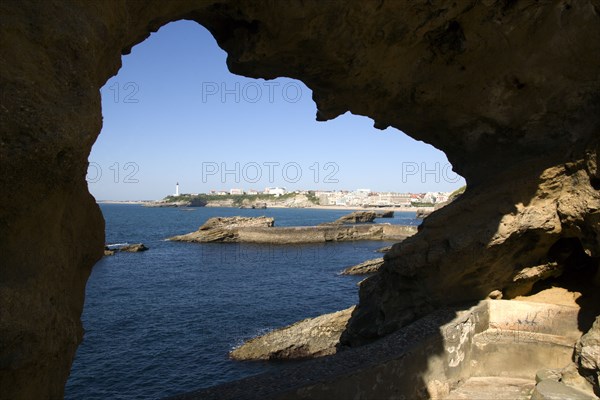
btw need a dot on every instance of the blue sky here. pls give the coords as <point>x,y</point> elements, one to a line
<point>174,113</point>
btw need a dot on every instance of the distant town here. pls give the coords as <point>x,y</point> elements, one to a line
<point>355,198</point>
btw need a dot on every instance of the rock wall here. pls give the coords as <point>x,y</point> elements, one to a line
<point>528,221</point>
<point>508,90</point>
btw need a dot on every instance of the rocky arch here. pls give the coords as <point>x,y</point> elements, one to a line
<point>509,90</point>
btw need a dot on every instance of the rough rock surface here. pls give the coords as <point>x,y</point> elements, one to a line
<point>262,233</point>
<point>551,390</point>
<point>356,217</point>
<point>237,222</point>
<point>523,281</point>
<point>129,248</point>
<point>384,249</point>
<point>557,224</point>
<point>508,90</point>
<point>257,205</point>
<point>367,267</point>
<point>224,229</point>
<point>384,214</point>
<point>134,248</point>
<point>587,355</point>
<point>423,213</point>
<point>309,338</point>
<point>575,378</point>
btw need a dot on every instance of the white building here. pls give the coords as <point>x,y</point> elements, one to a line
<point>177,189</point>
<point>236,191</point>
<point>277,191</point>
<point>442,197</point>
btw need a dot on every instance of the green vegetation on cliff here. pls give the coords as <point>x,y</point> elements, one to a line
<point>239,199</point>
<point>454,195</point>
<point>422,204</point>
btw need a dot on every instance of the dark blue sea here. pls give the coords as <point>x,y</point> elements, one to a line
<point>162,322</point>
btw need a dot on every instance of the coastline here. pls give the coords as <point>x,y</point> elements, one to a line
<point>317,207</point>
<point>123,201</point>
<point>359,208</point>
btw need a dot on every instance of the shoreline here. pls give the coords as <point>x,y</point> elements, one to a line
<point>316,207</point>
<point>123,201</point>
<point>359,208</point>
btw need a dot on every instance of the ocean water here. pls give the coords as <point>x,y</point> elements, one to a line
<point>162,322</point>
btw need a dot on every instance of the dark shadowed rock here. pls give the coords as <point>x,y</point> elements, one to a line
<point>110,250</point>
<point>196,202</point>
<point>384,249</point>
<point>133,248</point>
<point>423,213</point>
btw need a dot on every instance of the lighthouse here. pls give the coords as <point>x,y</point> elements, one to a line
<point>177,189</point>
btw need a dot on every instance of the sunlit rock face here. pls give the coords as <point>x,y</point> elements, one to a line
<point>508,90</point>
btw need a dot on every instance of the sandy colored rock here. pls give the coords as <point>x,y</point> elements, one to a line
<point>224,229</point>
<point>587,355</point>
<point>356,217</point>
<point>226,232</point>
<point>366,267</point>
<point>553,295</point>
<point>495,295</point>
<point>423,213</point>
<point>551,390</point>
<point>309,338</point>
<point>523,281</point>
<point>236,222</point>
<point>546,373</point>
<point>421,272</point>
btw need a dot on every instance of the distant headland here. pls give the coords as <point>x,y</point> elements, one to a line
<point>281,198</point>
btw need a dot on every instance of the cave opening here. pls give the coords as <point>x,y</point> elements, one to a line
<point>579,279</point>
<point>173,115</point>
<point>515,106</point>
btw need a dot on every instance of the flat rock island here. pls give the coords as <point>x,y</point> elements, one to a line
<point>262,230</point>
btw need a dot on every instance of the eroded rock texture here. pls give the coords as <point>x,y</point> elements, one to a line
<point>509,90</point>
<point>309,338</point>
<point>446,263</point>
<point>587,355</point>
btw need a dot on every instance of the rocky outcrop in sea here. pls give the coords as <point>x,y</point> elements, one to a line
<point>366,267</point>
<point>261,230</point>
<point>110,250</point>
<point>309,338</point>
